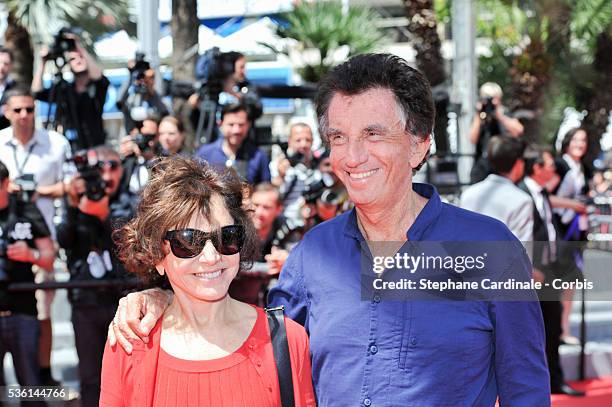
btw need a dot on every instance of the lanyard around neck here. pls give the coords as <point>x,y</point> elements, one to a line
<point>21,167</point>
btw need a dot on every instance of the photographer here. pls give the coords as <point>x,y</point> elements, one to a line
<point>224,82</point>
<point>293,169</point>
<point>35,159</point>
<point>24,241</point>
<point>234,149</point>
<point>96,207</point>
<point>85,95</point>
<point>490,120</point>
<point>138,95</point>
<point>277,235</point>
<point>138,149</point>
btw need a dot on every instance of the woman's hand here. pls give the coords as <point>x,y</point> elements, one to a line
<point>136,315</point>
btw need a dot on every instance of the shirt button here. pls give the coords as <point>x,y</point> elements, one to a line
<point>373,349</point>
<point>413,340</point>
<point>367,402</point>
<point>377,298</point>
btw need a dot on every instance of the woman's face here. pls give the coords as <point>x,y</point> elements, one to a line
<point>170,138</point>
<point>207,276</point>
<point>578,145</point>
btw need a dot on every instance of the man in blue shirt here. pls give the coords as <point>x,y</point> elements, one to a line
<point>376,113</point>
<point>234,149</point>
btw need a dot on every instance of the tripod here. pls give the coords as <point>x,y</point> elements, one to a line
<point>66,117</point>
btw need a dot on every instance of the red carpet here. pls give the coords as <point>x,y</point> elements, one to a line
<point>599,394</point>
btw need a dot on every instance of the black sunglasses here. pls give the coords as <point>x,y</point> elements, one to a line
<point>188,243</point>
<point>27,109</point>
<point>110,164</point>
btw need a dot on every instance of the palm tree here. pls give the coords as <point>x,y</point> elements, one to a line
<point>184,25</point>
<point>38,20</point>
<point>423,27</point>
<point>546,74</point>
<point>327,34</point>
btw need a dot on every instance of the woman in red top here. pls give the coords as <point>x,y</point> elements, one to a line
<point>208,349</point>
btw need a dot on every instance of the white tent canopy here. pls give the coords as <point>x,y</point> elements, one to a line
<point>120,47</point>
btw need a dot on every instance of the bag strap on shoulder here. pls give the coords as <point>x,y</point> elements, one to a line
<point>280,346</point>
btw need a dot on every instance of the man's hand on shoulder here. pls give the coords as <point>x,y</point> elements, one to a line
<point>136,316</point>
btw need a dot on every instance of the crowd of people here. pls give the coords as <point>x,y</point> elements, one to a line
<point>210,230</point>
<point>543,197</point>
<point>60,197</point>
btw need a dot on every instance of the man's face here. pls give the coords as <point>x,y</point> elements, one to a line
<point>240,70</point>
<point>266,208</point>
<point>371,153</point>
<point>149,78</point>
<point>111,172</point>
<point>149,127</point>
<point>6,64</point>
<point>546,171</point>
<point>20,112</point>
<point>78,63</point>
<point>235,127</point>
<point>300,140</point>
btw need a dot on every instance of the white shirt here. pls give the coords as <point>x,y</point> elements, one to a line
<point>44,156</point>
<point>542,206</point>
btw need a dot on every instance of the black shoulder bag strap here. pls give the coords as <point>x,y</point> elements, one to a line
<point>280,346</point>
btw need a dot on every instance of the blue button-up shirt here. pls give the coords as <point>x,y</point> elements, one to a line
<point>251,163</point>
<point>410,353</point>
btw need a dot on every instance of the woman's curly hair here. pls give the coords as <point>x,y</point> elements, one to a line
<point>177,188</point>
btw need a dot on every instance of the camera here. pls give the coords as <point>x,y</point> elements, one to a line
<point>141,65</point>
<point>143,140</point>
<point>137,74</point>
<point>90,173</point>
<point>487,109</point>
<point>212,69</point>
<point>314,186</point>
<point>27,187</point>
<point>61,44</point>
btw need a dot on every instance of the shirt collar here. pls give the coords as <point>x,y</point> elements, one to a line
<point>13,141</point>
<point>428,215</point>
<point>572,164</point>
<point>533,186</point>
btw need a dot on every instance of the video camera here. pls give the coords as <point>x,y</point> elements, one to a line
<point>61,44</point>
<point>212,69</point>
<point>89,170</point>
<point>137,73</point>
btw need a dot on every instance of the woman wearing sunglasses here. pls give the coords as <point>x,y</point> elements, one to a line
<point>208,349</point>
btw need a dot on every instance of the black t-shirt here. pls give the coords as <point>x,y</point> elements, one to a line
<point>89,106</point>
<point>28,225</point>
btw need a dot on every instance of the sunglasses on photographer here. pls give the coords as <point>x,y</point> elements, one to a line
<point>188,243</point>
<point>27,109</point>
<point>110,164</point>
